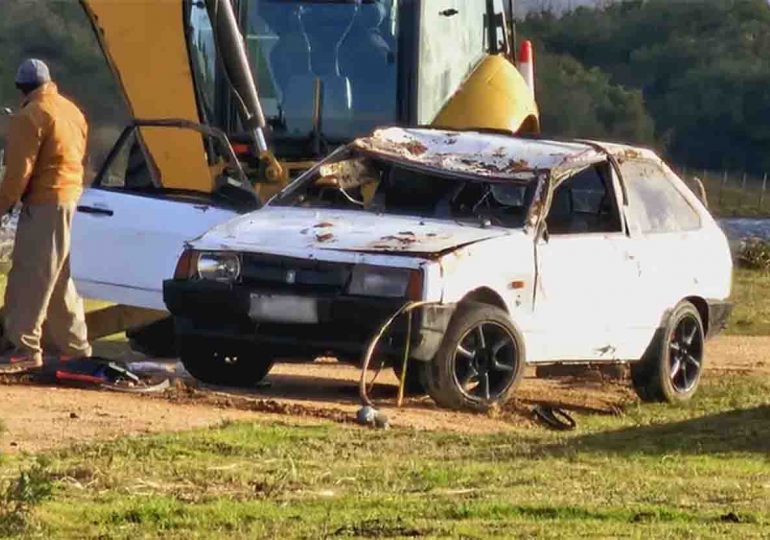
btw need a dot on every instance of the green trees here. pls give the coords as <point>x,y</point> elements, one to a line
<point>691,78</point>
<point>576,101</point>
<point>60,34</point>
<point>702,67</point>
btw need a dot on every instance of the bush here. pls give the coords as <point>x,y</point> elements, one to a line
<point>755,254</point>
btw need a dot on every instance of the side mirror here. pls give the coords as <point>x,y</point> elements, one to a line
<point>239,196</point>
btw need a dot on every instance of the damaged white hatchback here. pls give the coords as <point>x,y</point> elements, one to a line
<point>497,252</point>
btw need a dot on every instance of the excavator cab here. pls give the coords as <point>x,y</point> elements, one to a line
<point>330,71</point>
<point>326,71</point>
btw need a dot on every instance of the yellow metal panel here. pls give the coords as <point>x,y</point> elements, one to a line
<point>145,42</point>
<point>494,96</point>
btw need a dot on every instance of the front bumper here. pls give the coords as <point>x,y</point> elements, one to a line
<point>346,323</point>
<point>719,313</point>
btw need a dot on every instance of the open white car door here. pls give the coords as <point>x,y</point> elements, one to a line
<point>129,229</point>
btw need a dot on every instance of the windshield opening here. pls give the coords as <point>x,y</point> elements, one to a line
<point>355,181</point>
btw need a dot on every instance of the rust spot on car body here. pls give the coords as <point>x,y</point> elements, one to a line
<point>324,237</point>
<point>416,148</point>
<point>402,240</point>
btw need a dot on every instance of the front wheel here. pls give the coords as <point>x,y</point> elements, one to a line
<point>480,361</point>
<point>225,362</point>
<point>672,368</point>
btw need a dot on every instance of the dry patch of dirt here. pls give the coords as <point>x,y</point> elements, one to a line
<point>38,416</point>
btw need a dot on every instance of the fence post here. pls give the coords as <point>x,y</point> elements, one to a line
<point>743,191</point>
<point>762,195</point>
<point>722,188</point>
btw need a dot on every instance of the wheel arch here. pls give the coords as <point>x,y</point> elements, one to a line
<point>485,295</point>
<point>703,310</point>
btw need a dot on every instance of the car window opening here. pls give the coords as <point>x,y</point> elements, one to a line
<point>655,203</point>
<point>384,187</point>
<point>585,203</point>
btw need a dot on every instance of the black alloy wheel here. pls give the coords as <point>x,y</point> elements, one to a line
<point>672,367</point>
<point>480,361</point>
<point>485,361</point>
<point>686,354</point>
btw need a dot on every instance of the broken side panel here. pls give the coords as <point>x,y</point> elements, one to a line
<point>146,46</point>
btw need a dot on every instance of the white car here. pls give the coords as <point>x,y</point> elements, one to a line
<point>513,251</point>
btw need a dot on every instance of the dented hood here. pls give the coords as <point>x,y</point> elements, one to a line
<point>300,231</point>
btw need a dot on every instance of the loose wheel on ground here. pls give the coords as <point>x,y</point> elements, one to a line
<point>480,361</point>
<point>229,363</point>
<point>672,368</point>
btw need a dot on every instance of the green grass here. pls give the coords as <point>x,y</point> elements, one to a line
<point>656,471</point>
<point>751,295</point>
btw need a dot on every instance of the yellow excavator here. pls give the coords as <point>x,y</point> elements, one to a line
<point>301,77</point>
<point>286,82</point>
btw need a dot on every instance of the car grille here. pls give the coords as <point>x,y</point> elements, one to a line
<point>285,274</point>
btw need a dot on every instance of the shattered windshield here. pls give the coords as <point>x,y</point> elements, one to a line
<point>355,181</point>
<point>347,48</point>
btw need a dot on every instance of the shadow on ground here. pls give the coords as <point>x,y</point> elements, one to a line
<point>745,430</point>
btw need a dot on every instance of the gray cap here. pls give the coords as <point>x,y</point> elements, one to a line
<point>33,71</point>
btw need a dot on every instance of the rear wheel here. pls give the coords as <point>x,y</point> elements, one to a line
<point>672,368</point>
<point>480,361</point>
<point>225,362</point>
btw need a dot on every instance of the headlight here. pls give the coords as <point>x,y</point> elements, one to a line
<point>224,267</point>
<point>386,282</point>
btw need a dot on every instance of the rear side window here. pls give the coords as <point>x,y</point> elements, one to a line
<point>654,201</point>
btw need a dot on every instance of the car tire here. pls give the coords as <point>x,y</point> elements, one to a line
<point>225,362</point>
<point>672,368</point>
<point>480,360</point>
<point>416,373</point>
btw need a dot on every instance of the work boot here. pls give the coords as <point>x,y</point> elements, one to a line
<point>20,361</point>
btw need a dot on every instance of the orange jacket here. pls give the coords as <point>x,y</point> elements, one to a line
<point>45,151</point>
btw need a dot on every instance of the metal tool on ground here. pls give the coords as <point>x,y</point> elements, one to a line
<point>106,374</point>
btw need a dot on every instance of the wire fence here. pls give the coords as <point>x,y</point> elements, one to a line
<point>731,193</point>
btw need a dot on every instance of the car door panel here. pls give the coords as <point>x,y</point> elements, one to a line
<point>125,245</point>
<point>580,308</point>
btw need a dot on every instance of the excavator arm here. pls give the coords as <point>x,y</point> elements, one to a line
<point>145,44</point>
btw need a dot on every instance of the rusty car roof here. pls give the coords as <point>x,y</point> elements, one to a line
<point>489,154</point>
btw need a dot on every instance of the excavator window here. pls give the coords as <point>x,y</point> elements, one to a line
<point>347,49</point>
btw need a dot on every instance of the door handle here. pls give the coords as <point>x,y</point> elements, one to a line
<point>95,210</point>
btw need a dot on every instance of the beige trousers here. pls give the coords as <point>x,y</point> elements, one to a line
<point>40,297</point>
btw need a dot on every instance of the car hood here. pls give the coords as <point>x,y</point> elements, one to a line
<point>302,230</point>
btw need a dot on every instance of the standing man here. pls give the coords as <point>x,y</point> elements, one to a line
<point>44,170</point>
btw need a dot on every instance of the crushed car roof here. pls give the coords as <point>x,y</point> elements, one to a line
<point>488,154</point>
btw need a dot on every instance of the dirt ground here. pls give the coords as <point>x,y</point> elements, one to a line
<point>41,416</point>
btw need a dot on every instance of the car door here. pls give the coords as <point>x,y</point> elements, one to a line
<point>586,271</point>
<point>668,241</point>
<point>130,229</point>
